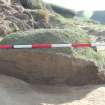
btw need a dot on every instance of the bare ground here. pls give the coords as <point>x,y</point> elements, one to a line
<point>17,92</point>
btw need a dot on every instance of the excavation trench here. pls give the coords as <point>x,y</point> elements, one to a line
<point>47,68</point>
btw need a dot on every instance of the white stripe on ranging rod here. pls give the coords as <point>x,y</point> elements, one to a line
<point>98,44</point>
<point>61,45</point>
<point>22,46</point>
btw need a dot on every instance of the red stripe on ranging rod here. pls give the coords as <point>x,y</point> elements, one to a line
<point>81,45</point>
<point>41,45</point>
<point>6,46</point>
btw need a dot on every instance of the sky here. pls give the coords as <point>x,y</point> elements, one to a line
<point>80,4</point>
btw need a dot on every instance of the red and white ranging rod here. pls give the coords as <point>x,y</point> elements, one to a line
<point>35,46</point>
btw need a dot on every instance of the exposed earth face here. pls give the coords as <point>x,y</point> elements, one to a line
<point>48,68</point>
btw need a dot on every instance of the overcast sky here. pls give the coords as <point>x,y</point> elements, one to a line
<point>80,4</point>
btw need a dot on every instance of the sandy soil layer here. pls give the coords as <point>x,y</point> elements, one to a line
<point>17,92</point>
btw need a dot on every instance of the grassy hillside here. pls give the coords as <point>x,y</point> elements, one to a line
<point>55,27</point>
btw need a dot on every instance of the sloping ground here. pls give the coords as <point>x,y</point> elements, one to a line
<point>18,92</point>
<point>50,27</point>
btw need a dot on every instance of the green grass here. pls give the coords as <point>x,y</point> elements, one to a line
<point>46,35</point>
<point>90,54</point>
